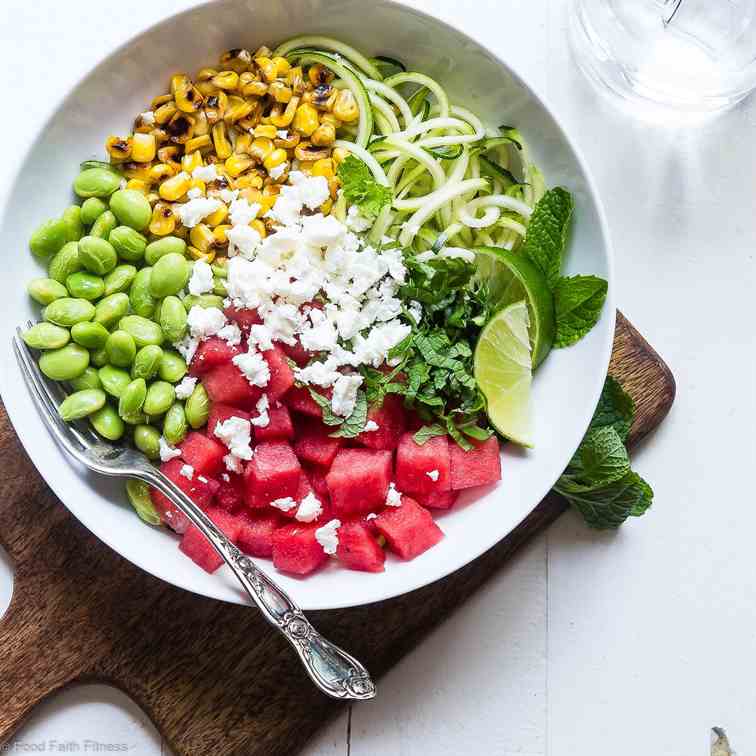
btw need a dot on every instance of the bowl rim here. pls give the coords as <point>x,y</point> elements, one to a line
<point>452,565</point>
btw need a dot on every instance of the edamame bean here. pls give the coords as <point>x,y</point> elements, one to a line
<point>46,336</point>
<point>46,290</point>
<point>220,287</point>
<point>81,404</point>
<point>128,243</point>
<point>64,364</point>
<point>119,279</point>
<point>165,246</point>
<point>138,418</point>
<point>96,182</point>
<point>173,318</point>
<point>121,349</point>
<point>87,380</point>
<point>143,331</point>
<point>174,424</point>
<point>90,335</point>
<point>97,255</point>
<point>169,275</point>
<point>197,407</point>
<point>142,302</point>
<point>85,285</point>
<point>104,225</point>
<point>72,219</point>
<point>99,357</point>
<point>138,494</point>
<point>49,238</point>
<point>131,208</point>
<point>203,300</point>
<point>132,398</point>
<point>219,271</point>
<point>114,380</point>
<point>147,440</point>
<point>91,210</point>
<point>65,262</point>
<point>147,362</point>
<point>107,423</point>
<point>160,396</point>
<point>68,311</point>
<point>111,309</point>
<point>172,366</point>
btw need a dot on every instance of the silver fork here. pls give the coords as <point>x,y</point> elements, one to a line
<point>334,671</point>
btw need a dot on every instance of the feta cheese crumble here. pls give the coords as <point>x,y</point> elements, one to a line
<point>187,471</point>
<point>186,387</point>
<point>371,516</point>
<point>202,278</point>
<point>168,452</point>
<point>148,117</point>
<point>327,536</point>
<point>231,334</point>
<point>310,508</point>
<point>284,504</point>
<point>393,497</point>
<point>345,394</point>
<point>236,434</point>
<point>205,322</point>
<point>263,418</point>
<point>196,209</point>
<point>233,464</point>
<point>370,426</point>
<point>433,475</point>
<point>206,173</point>
<point>254,367</point>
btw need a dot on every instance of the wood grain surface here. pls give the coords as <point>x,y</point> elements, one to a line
<point>213,677</point>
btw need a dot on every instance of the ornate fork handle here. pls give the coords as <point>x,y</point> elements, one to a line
<point>332,669</point>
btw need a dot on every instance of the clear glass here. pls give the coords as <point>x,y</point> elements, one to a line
<point>686,56</point>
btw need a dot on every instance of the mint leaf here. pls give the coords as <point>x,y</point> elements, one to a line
<point>578,302</point>
<point>427,432</point>
<point>616,408</point>
<point>603,457</point>
<point>546,239</point>
<point>361,189</point>
<point>329,418</point>
<point>355,423</point>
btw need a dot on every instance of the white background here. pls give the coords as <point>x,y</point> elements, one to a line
<point>591,644</point>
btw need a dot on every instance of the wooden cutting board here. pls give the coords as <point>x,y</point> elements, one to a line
<point>214,678</point>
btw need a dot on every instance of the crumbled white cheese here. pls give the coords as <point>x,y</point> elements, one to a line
<point>148,117</point>
<point>282,134</point>
<point>231,334</point>
<point>393,497</point>
<point>186,387</point>
<point>187,347</point>
<point>261,337</point>
<point>202,278</point>
<point>168,452</point>
<point>233,464</point>
<point>371,516</point>
<point>205,322</point>
<point>225,477</point>
<point>433,475</point>
<point>193,211</point>
<point>241,212</point>
<point>206,173</point>
<point>278,170</point>
<point>356,221</point>
<point>187,471</point>
<point>236,434</point>
<point>202,479</point>
<point>327,536</point>
<point>345,394</point>
<point>243,240</point>
<point>263,418</point>
<point>254,367</point>
<point>310,508</point>
<point>284,504</point>
<point>370,426</point>
<point>228,195</point>
<point>194,193</point>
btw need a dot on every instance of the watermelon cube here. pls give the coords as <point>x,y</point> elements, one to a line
<point>314,443</point>
<point>423,468</point>
<point>478,467</point>
<point>199,489</point>
<point>281,374</point>
<point>358,550</point>
<point>296,550</point>
<point>226,384</point>
<point>219,413</point>
<point>317,476</point>
<point>204,454</point>
<point>437,499</point>
<point>297,353</point>
<point>298,399</point>
<point>256,533</point>
<point>273,473</point>
<point>390,417</point>
<point>210,354</point>
<point>243,318</point>
<point>358,480</point>
<point>409,529</point>
<point>199,549</point>
<point>279,427</point>
<point>230,494</point>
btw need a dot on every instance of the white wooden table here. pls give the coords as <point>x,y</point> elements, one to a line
<point>591,644</point>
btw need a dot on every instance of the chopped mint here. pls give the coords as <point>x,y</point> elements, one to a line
<point>361,189</point>
<point>578,302</point>
<point>616,408</point>
<point>427,432</point>
<point>355,423</point>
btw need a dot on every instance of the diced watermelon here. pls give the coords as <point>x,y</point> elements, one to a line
<point>477,467</point>
<point>199,549</point>
<point>200,490</point>
<point>313,443</point>
<point>391,420</point>
<point>219,413</point>
<point>297,353</point>
<point>227,384</point>
<point>317,477</point>
<point>296,550</point>
<point>210,354</point>
<point>303,489</point>
<point>414,462</point>
<point>281,374</point>
<point>230,494</point>
<point>358,550</point>
<point>299,400</point>
<point>409,529</point>
<point>279,427</point>
<point>437,499</point>
<point>256,533</point>
<point>204,454</point>
<point>272,474</point>
<point>358,480</point>
<point>243,318</point>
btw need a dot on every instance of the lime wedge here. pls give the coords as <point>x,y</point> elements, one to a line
<point>510,278</point>
<point>503,370</point>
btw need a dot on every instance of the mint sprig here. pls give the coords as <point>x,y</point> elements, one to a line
<point>361,189</point>
<point>578,302</point>
<point>546,239</point>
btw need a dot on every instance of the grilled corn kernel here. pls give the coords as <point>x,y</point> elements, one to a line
<point>168,154</point>
<point>305,152</point>
<point>319,74</point>
<point>219,232</point>
<point>152,197</point>
<point>339,155</point>
<point>268,131</point>
<point>274,159</point>
<point>306,119</point>
<point>325,208</point>
<point>237,59</point>
<point>280,92</point>
<point>261,148</point>
<point>268,68</point>
<point>237,164</point>
<point>142,125</point>
<point>207,88</point>
<point>334,184</point>
<point>201,126</point>
<point>259,226</point>
<point>205,74</point>
<point>268,199</point>
<point>198,143</point>
<point>322,97</point>
<point>190,161</point>
<point>180,128</point>
<point>253,87</point>
<point>165,112</point>
<point>282,65</point>
<point>227,80</point>
<point>198,184</point>
<point>220,140</point>
<point>216,218</point>
<point>162,172</point>
<point>136,171</point>
<point>243,143</point>
<point>345,108</point>
<point>176,187</point>
<point>188,97</point>
<point>163,220</point>
<point>118,148</point>
<point>237,109</point>
<point>296,80</point>
<point>330,118</point>
<point>323,167</point>
<point>138,185</point>
<point>215,107</point>
<point>283,119</point>
<point>201,237</point>
<point>249,181</point>
<point>324,135</point>
<point>160,100</point>
<point>198,254</point>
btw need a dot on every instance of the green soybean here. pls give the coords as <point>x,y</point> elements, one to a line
<point>160,396</point>
<point>69,311</point>
<point>147,440</point>
<point>74,226</point>
<point>132,398</point>
<point>89,379</point>
<point>197,407</point>
<point>128,243</point>
<point>111,309</point>
<point>90,335</point>
<point>143,331</point>
<point>64,364</point>
<point>175,425</point>
<point>172,367</point>
<point>107,423</point>
<point>119,279</point>
<point>81,404</point>
<point>46,290</point>
<point>166,246</point>
<point>104,225</point>
<point>220,287</point>
<point>96,182</point>
<point>142,302</point>
<point>219,271</point>
<point>85,285</point>
<point>138,494</point>
<point>65,262</point>
<point>49,238</point>
<point>131,208</point>
<point>91,210</point>
<point>46,336</point>
<point>99,357</point>
<point>137,418</point>
<point>173,318</point>
<point>147,362</point>
<point>97,255</point>
<point>121,348</point>
<point>205,301</point>
<point>169,275</point>
<point>114,380</point>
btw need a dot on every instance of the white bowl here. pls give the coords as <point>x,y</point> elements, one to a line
<point>566,387</point>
